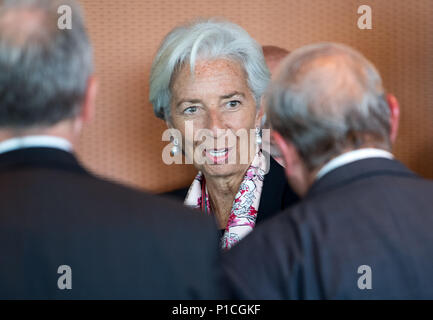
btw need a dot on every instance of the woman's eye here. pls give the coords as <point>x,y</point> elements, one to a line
<point>190,110</point>
<point>233,104</point>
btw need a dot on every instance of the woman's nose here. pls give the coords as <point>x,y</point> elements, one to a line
<point>216,123</point>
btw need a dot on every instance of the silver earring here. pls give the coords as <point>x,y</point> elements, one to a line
<point>258,136</point>
<point>175,149</point>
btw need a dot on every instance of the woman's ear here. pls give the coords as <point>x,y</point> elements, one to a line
<point>169,124</point>
<point>395,115</point>
<point>260,114</point>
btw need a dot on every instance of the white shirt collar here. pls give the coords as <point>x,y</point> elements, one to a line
<point>352,156</point>
<point>35,142</point>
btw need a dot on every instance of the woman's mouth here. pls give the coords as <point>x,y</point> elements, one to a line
<point>217,156</point>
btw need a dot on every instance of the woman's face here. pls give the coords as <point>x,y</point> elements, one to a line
<point>215,97</point>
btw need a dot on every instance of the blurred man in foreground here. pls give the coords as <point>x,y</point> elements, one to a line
<point>65,234</point>
<point>363,228</point>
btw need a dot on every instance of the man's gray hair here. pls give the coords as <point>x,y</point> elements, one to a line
<point>44,71</point>
<point>205,39</point>
<point>328,98</point>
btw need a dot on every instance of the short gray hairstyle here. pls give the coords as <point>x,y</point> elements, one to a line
<point>44,70</point>
<point>205,39</point>
<point>326,98</point>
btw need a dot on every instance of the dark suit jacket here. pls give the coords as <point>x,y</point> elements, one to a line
<point>372,212</point>
<point>119,243</point>
<point>276,193</point>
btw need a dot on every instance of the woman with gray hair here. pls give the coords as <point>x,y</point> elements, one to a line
<point>210,76</point>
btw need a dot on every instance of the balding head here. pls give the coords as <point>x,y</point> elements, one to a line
<point>21,25</point>
<point>273,56</point>
<point>327,98</point>
<point>43,70</point>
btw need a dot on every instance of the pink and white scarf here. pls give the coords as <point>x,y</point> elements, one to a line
<point>243,215</point>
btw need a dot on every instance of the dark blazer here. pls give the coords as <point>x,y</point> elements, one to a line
<point>372,212</point>
<point>119,243</point>
<point>276,193</point>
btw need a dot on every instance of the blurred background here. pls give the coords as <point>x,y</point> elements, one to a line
<point>124,141</point>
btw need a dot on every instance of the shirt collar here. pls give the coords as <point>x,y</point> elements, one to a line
<point>352,156</point>
<point>35,142</point>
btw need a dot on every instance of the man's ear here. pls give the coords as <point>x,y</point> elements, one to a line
<point>395,116</point>
<point>89,104</point>
<point>287,151</point>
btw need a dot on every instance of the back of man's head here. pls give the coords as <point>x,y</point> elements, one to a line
<point>44,69</point>
<point>327,99</point>
<point>273,56</point>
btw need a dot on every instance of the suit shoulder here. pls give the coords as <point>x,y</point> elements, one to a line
<point>150,202</point>
<point>100,197</point>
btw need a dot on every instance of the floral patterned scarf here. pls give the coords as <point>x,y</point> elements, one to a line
<point>243,215</point>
